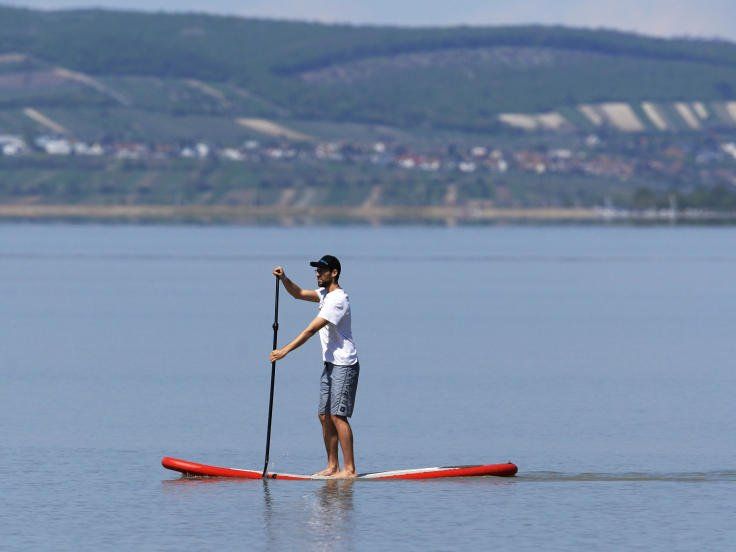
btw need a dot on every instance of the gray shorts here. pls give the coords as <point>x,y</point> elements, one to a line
<point>337,389</point>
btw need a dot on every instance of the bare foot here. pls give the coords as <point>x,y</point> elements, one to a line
<point>344,474</point>
<point>327,472</point>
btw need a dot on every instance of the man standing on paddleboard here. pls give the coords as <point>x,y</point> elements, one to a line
<point>341,368</point>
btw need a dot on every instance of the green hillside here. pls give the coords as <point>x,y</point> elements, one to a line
<point>461,78</point>
<point>111,108</point>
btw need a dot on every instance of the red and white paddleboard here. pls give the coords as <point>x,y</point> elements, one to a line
<point>194,469</point>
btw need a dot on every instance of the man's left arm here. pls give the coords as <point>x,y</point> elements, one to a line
<point>314,326</point>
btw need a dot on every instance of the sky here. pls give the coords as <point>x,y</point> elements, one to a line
<point>703,18</point>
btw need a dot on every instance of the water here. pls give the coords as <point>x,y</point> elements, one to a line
<point>600,360</point>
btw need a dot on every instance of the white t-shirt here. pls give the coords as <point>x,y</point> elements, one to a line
<point>336,337</point>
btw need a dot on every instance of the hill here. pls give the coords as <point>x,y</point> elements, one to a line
<point>231,115</point>
<point>117,68</point>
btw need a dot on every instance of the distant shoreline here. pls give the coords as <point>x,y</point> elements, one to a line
<point>223,214</point>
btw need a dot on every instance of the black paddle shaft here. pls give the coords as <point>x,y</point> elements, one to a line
<point>273,376</point>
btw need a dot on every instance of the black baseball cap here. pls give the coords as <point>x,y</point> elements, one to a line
<point>327,261</point>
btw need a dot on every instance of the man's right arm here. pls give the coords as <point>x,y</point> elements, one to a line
<point>294,290</point>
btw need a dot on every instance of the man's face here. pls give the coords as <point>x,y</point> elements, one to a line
<point>325,276</point>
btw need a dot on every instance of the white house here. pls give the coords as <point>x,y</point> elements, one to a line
<point>729,148</point>
<point>11,145</point>
<point>466,166</point>
<point>202,149</point>
<point>60,146</point>
<point>231,154</point>
<point>82,148</point>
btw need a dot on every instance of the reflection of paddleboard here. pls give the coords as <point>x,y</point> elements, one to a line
<point>202,470</point>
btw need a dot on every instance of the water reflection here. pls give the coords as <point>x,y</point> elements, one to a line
<point>327,517</point>
<point>334,504</point>
<point>269,517</point>
<point>185,485</point>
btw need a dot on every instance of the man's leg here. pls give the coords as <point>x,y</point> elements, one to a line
<point>345,436</point>
<point>329,433</point>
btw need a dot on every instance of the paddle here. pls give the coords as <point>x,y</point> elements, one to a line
<point>273,376</point>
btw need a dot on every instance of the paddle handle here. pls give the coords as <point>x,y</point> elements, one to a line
<point>275,327</point>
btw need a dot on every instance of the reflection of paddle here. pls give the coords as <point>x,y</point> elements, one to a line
<point>273,375</point>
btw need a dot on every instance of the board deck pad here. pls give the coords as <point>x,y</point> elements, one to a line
<point>195,469</point>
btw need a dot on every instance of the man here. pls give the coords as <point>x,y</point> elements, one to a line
<point>341,368</point>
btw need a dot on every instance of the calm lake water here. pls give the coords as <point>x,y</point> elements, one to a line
<point>600,360</point>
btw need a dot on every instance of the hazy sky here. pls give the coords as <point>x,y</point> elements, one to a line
<point>706,18</point>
